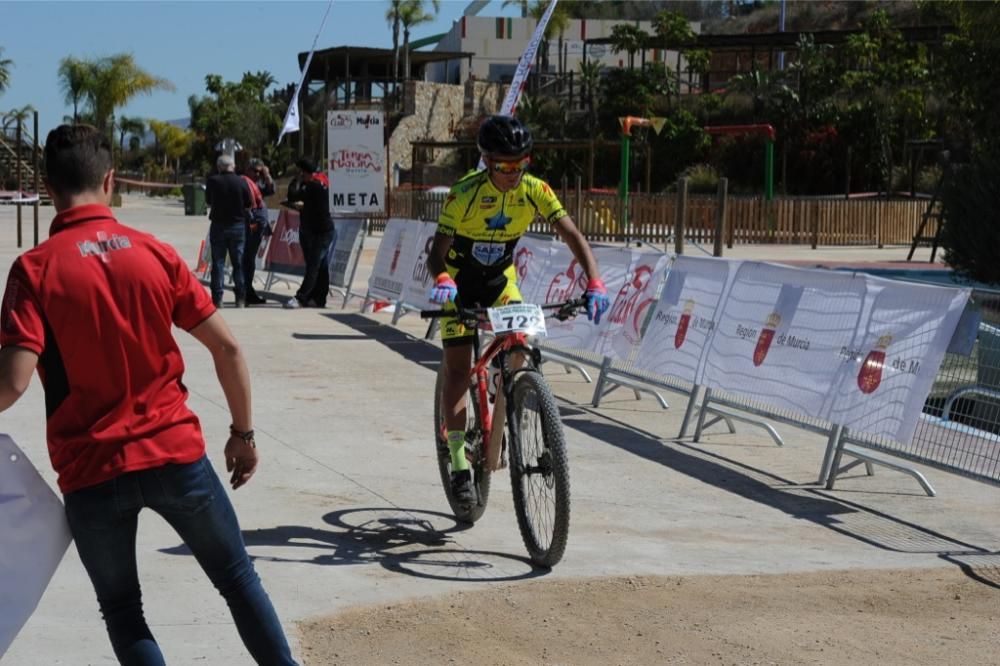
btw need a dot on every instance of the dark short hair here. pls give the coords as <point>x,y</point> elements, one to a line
<point>306,165</point>
<point>77,157</point>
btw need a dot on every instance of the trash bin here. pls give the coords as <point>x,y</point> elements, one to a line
<point>194,199</point>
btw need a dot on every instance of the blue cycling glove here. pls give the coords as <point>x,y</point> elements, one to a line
<point>597,299</point>
<point>444,290</point>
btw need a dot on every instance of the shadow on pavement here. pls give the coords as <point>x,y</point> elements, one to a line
<point>409,541</point>
<point>415,350</point>
<point>852,519</point>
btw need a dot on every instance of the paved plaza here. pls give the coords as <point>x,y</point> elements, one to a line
<point>346,509</point>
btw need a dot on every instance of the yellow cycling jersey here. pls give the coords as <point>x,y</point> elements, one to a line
<point>487,223</point>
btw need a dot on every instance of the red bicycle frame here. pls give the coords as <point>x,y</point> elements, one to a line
<point>481,374</point>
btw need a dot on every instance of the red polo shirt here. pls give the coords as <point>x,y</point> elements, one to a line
<point>96,302</point>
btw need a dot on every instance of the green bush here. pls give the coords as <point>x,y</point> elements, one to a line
<point>702,179</point>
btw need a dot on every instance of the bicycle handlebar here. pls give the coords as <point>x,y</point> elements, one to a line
<point>566,310</point>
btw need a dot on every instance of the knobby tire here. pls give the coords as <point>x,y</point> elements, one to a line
<point>539,469</point>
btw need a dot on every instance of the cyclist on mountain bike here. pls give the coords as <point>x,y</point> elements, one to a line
<point>485,214</point>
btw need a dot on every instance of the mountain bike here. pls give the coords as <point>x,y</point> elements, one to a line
<point>506,385</point>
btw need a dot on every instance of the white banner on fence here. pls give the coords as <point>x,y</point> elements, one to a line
<point>397,254</point>
<point>621,328</point>
<point>565,279</point>
<point>685,317</point>
<point>531,260</point>
<point>419,279</point>
<point>356,161</point>
<point>889,367</point>
<point>346,251</point>
<point>34,537</point>
<point>780,335</point>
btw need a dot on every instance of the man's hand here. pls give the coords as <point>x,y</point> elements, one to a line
<point>241,460</point>
<point>597,299</point>
<point>444,290</point>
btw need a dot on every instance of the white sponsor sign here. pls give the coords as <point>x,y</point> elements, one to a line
<point>888,368</point>
<point>622,326</point>
<point>356,161</point>
<point>780,334</point>
<point>565,279</point>
<point>33,538</point>
<point>685,317</point>
<point>531,260</point>
<point>397,253</point>
<point>419,279</point>
<point>346,251</point>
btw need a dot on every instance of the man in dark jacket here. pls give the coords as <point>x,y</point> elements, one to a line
<point>316,234</point>
<point>229,197</point>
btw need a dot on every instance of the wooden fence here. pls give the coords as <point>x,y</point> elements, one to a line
<point>749,219</point>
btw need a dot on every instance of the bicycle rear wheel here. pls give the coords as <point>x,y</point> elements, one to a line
<point>539,469</point>
<point>473,451</point>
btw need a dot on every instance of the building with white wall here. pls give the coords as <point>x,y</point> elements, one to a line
<point>498,41</point>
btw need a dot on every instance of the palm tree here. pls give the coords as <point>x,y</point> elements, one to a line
<point>628,38</point>
<point>117,79</point>
<point>260,82</point>
<point>75,79</point>
<point>412,13</point>
<point>590,79</point>
<point>5,66</point>
<point>392,17</point>
<point>15,116</point>
<point>129,125</point>
<point>558,23</point>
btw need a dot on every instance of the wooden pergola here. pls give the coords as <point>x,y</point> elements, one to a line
<point>361,76</point>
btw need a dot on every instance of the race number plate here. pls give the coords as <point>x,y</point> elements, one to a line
<point>517,318</point>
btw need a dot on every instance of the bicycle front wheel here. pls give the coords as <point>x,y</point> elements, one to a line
<point>474,451</point>
<point>539,469</point>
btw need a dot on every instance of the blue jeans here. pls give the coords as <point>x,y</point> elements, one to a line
<point>103,520</point>
<point>230,239</point>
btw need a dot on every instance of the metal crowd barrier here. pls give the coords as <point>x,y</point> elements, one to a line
<point>959,430</point>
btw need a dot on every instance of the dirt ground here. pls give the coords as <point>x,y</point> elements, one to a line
<point>926,616</point>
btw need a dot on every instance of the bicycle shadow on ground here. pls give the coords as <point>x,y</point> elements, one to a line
<point>414,542</point>
<point>852,519</point>
<point>413,349</point>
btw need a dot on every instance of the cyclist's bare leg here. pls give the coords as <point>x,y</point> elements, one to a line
<point>457,367</point>
<point>457,362</point>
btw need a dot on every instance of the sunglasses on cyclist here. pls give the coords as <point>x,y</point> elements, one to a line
<point>509,168</point>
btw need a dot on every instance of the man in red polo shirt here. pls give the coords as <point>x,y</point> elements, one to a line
<point>92,308</point>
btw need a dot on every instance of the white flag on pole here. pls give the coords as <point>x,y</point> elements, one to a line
<point>524,64</point>
<point>291,123</point>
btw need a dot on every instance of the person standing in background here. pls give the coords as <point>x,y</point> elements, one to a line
<point>258,179</point>
<point>93,310</point>
<point>229,198</point>
<point>316,234</point>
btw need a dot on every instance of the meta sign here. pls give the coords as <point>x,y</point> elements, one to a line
<point>356,161</point>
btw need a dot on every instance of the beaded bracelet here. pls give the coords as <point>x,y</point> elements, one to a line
<point>245,436</point>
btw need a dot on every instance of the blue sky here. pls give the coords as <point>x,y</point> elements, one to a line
<point>184,41</point>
